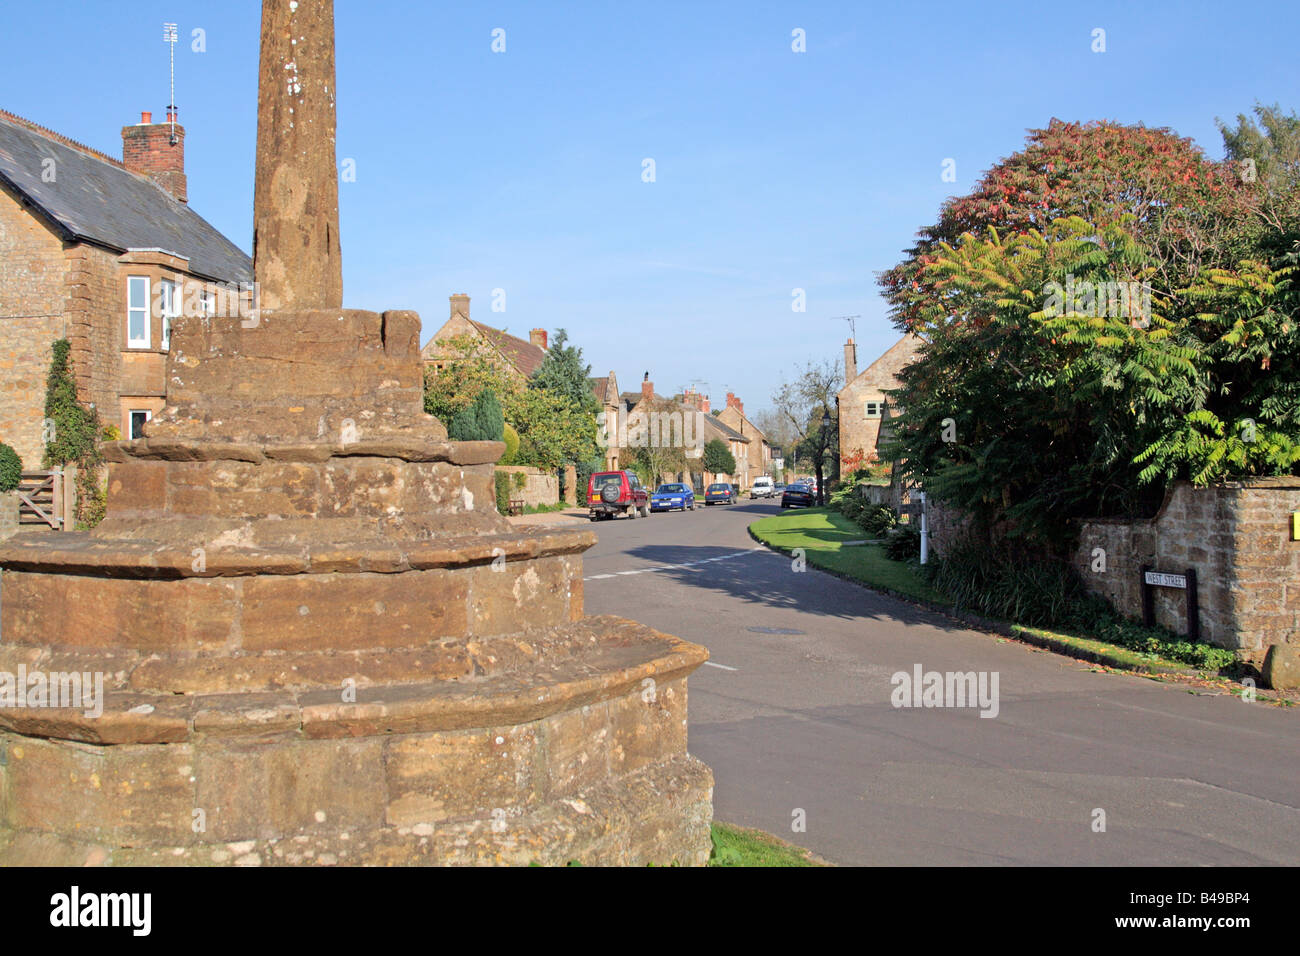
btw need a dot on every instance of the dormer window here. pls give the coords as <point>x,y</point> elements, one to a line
<point>137,312</point>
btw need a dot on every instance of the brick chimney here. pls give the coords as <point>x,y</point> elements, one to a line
<point>459,303</point>
<point>147,149</point>
<point>647,387</point>
<point>538,338</point>
<point>850,361</point>
<point>734,402</point>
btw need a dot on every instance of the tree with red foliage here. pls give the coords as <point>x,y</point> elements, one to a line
<point>1186,209</point>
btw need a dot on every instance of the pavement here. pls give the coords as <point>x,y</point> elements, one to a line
<point>793,712</point>
<point>568,516</point>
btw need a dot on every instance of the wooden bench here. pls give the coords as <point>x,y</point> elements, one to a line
<point>516,506</point>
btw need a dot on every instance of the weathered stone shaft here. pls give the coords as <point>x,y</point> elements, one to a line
<point>296,255</point>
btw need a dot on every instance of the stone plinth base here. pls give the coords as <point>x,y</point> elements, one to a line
<point>573,749</point>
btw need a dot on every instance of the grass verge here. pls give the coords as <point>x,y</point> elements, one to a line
<point>822,536</point>
<point>741,846</point>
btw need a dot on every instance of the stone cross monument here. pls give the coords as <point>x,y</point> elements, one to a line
<point>318,641</point>
<point>296,197</point>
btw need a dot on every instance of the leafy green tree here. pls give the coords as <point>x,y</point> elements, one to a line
<point>1247,422</point>
<point>803,402</point>
<point>717,457</point>
<point>1266,155</point>
<point>468,371</point>
<point>563,372</point>
<point>552,431</point>
<point>1027,416</point>
<point>1029,412</point>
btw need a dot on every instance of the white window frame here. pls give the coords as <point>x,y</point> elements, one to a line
<point>130,416</point>
<point>167,292</point>
<point>138,343</point>
<point>207,301</point>
<point>879,407</point>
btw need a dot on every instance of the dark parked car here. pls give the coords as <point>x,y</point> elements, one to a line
<point>668,497</point>
<point>720,494</point>
<point>798,496</point>
<point>610,493</point>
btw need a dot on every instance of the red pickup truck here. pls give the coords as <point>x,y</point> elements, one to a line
<point>616,492</point>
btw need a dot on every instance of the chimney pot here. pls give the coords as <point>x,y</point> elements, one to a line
<point>148,150</point>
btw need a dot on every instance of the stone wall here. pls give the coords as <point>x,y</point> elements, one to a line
<point>945,525</point>
<point>31,318</point>
<point>96,315</point>
<point>8,514</point>
<point>540,488</point>
<point>1236,536</point>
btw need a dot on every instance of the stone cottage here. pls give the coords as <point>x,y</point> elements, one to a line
<point>864,406</point>
<point>105,253</point>
<point>758,451</point>
<point>517,356</point>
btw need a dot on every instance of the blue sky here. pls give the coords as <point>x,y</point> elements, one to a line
<point>774,170</point>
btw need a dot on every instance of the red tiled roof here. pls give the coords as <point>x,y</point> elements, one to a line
<point>522,354</point>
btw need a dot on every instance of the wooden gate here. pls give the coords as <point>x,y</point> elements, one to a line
<point>47,499</point>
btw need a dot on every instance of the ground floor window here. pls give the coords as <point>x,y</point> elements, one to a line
<point>138,417</point>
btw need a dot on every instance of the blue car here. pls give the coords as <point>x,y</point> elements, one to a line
<point>668,497</point>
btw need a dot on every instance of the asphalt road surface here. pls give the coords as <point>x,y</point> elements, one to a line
<point>793,713</point>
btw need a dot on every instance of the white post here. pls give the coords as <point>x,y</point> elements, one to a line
<point>925,533</point>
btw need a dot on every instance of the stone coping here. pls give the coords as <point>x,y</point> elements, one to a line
<point>80,553</point>
<point>412,447</point>
<point>622,656</point>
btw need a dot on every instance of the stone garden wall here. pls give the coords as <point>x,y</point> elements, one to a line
<point>1238,539</point>
<point>540,487</point>
<point>1236,536</point>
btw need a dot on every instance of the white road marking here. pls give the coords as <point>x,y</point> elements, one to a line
<point>674,567</point>
<point>721,666</point>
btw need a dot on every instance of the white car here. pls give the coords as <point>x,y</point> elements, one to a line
<point>762,487</point>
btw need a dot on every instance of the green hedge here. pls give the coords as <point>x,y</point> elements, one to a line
<point>502,479</point>
<point>11,468</point>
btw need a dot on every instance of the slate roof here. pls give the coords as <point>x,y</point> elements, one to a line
<point>727,431</point>
<point>522,354</point>
<point>93,199</point>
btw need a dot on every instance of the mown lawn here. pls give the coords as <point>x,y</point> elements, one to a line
<point>822,535</point>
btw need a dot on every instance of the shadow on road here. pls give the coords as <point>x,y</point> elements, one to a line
<point>767,578</point>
